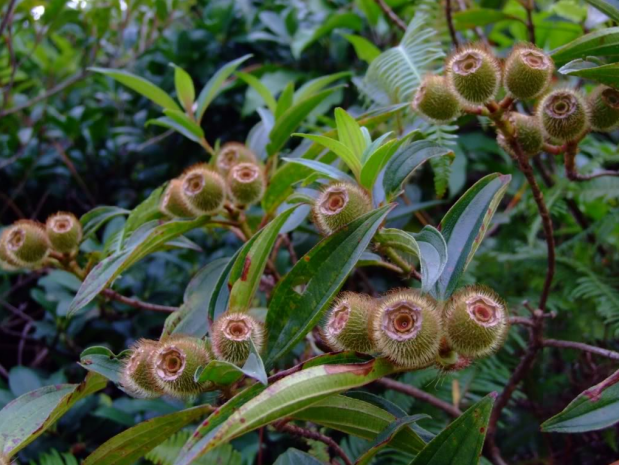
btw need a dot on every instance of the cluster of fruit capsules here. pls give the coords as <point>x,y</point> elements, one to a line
<point>168,367</point>
<point>473,77</point>
<point>203,189</point>
<point>26,243</point>
<point>415,331</point>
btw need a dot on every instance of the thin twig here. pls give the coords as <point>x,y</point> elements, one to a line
<point>581,347</point>
<point>136,303</point>
<point>450,24</point>
<point>594,393</point>
<point>529,6</point>
<point>420,395</point>
<point>8,17</point>
<point>395,19</point>
<point>313,435</point>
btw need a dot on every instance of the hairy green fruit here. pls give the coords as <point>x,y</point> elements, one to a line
<point>406,328</point>
<point>527,72</point>
<point>173,204</point>
<point>604,105</point>
<point>6,261</point>
<point>347,323</point>
<point>246,183</point>
<point>529,135</point>
<point>203,189</point>
<point>64,232</point>
<point>137,377</point>
<point>175,362</point>
<point>476,321</point>
<point>564,115</point>
<point>474,74</point>
<point>338,205</point>
<point>25,244</point>
<point>231,335</point>
<point>436,101</point>
<point>231,154</point>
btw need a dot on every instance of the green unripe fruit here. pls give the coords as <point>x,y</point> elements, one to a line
<point>6,262</point>
<point>347,326</point>
<point>231,335</point>
<point>564,115</point>
<point>203,190</point>
<point>604,105</point>
<point>528,135</point>
<point>173,204</point>
<point>527,72</point>
<point>175,362</point>
<point>338,205</point>
<point>436,101</point>
<point>476,322</point>
<point>25,244</point>
<point>231,154</point>
<point>137,377</point>
<point>246,183</point>
<point>474,74</point>
<point>64,232</point>
<point>406,328</point>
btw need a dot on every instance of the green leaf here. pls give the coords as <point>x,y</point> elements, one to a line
<point>292,118</point>
<point>285,100</point>
<point>140,85</point>
<point>190,319</point>
<point>386,436</point>
<point>609,7</point>
<point>322,271</point>
<point>184,88</point>
<point>377,160</point>
<point>364,49</point>
<point>604,74</point>
<point>260,88</point>
<point>146,211</point>
<point>143,242</point>
<point>94,219</point>
<point>480,17</point>
<point>225,373</point>
<point>360,418</point>
<point>349,133</point>
<point>180,123</point>
<point>132,444</point>
<point>327,170</point>
<point>214,85</point>
<point>585,413</point>
<point>316,85</point>
<point>294,456</point>
<point>186,122</point>
<point>305,38</point>
<point>341,150</point>
<point>406,160</point>
<point>292,394</point>
<point>461,441</point>
<point>249,266</point>
<point>602,43</point>
<point>27,417</point>
<point>102,361</point>
<point>464,227</point>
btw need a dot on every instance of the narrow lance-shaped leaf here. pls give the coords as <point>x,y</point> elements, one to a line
<point>93,220</point>
<point>316,85</point>
<point>226,373</point>
<point>260,88</point>
<point>24,419</point>
<point>184,88</point>
<point>340,149</point>
<point>102,361</point>
<point>602,43</point>
<point>349,133</point>
<point>604,74</point>
<point>319,274</point>
<point>140,85</point>
<point>132,444</point>
<point>464,227</point>
<point>461,441</point>
<point>327,170</point>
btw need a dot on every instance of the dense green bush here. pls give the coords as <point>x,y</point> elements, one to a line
<point>224,209</point>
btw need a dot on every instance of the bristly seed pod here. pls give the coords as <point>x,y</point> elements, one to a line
<point>476,321</point>
<point>474,74</point>
<point>231,334</point>
<point>529,135</point>
<point>25,243</point>
<point>435,100</point>
<point>338,205</point>
<point>406,328</point>
<point>564,115</point>
<point>233,153</point>
<point>175,362</point>
<point>203,189</point>
<point>64,231</point>
<point>604,105</point>
<point>347,323</point>
<point>137,377</point>
<point>6,261</point>
<point>246,183</point>
<point>527,72</point>
<point>173,204</point>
